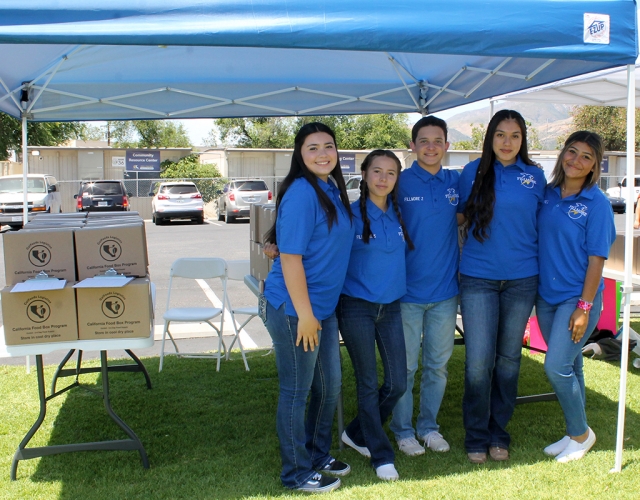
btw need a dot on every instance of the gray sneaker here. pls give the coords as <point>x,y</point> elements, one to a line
<point>410,446</point>
<point>434,441</point>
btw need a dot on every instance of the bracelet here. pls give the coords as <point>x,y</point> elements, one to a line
<point>584,305</point>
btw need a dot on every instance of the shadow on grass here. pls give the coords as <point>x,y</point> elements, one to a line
<point>212,435</point>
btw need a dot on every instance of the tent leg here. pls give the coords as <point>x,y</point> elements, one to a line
<point>25,170</point>
<point>627,287</point>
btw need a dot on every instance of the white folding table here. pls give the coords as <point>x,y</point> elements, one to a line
<point>103,345</point>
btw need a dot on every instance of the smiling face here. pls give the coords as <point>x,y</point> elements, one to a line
<point>381,176</point>
<point>507,141</point>
<point>578,161</point>
<point>430,146</point>
<point>319,154</point>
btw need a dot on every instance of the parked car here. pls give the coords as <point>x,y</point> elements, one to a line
<point>238,196</point>
<point>42,196</point>
<point>177,200</point>
<point>353,188</point>
<point>621,190</point>
<point>107,196</point>
<point>618,205</point>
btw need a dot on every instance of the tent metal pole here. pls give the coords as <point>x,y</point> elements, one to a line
<point>25,169</point>
<point>627,288</point>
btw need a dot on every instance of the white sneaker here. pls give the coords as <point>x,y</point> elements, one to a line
<point>410,446</point>
<point>387,472</point>
<point>363,450</point>
<point>575,450</point>
<point>434,441</point>
<point>553,450</point>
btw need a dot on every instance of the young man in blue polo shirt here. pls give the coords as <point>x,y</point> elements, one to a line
<point>428,199</point>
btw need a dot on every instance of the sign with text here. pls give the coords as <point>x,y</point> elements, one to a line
<point>118,161</point>
<point>143,160</point>
<point>348,162</point>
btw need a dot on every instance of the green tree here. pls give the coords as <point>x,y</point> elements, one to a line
<point>261,132</point>
<point>609,122</point>
<point>533,138</point>
<point>352,132</point>
<point>148,134</point>
<point>206,176</point>
<point>476,141</point>
<point>39,134</point>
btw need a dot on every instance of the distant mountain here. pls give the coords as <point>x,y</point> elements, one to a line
<point>550,120</point>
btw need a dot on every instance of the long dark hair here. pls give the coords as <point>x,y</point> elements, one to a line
<point>364,194</point>
<point>299,169</point>
<point>591,139</point>
<point>479,209</point>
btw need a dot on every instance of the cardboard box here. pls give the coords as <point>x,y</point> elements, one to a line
<point>122,247</point>
<point>115,312</point>
<point>615,262</point>
<point>260,264</point>
<point>254,228</point>
<point>40,316</point>
<point>266,220</point>
<point>28,252</point>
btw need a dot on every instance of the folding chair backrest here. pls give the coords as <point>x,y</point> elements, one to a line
<point>198,268</point>
<point>238,269</point>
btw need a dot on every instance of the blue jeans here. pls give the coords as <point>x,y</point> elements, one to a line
<point>304,442</point>
<point>432,325</point>
<point>563,361</point>
<point>495,315</point>
<point>364,324</point>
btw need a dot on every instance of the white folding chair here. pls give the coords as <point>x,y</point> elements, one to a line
<point>236,271</point>
<point>195,268</point>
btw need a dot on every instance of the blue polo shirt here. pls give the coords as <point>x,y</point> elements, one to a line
<point>302,229</point>
<point>428,205</point>
<point>376,271</point>
<point>569,231</point>
<point>511,250</point>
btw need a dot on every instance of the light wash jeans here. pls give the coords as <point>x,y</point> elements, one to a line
<point>304,441</point>
<point>432,325</point>
<point>563,361</point>
<point>495,315</point>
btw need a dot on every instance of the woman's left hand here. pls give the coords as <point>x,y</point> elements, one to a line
<point>578,324</point>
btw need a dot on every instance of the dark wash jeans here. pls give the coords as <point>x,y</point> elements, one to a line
<point>304,441</point>
<point>495,315</point>
<point>364,325</point>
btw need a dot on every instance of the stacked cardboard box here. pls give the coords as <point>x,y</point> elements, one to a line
<point>262,220</point>
<point>76,247</point>
<point>615,262</point>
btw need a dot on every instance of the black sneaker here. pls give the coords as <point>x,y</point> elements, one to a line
<point>336,468</point>
<point>320,484</point>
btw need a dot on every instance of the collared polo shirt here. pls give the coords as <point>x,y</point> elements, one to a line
<point>376,271</point>
<point>428,206</point>
<point>302,229</point>
<point>570,231</point>
<point>511,249</point>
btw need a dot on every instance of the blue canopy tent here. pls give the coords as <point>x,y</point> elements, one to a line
<point>136,59</point>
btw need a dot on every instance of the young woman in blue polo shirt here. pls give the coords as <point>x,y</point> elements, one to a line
<point>576,231</point>
<point>501,194</point>
<point>369,308</point>
<point>314,233</point>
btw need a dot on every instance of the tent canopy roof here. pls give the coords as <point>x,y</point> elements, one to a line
<point>136,59</point>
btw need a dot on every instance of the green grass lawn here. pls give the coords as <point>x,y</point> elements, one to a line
<point>212,435</point>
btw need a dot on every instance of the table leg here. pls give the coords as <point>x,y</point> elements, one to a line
<point>59,369</point>
<point>137,444</point>
<point>43,411</point>
<point>141,367</point>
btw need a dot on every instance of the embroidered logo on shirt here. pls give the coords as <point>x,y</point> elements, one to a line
<point>359,236</point>
<point>413,198</point>
<point>578,210</point>
<point>452,196</point>
<point>527,180</point>
<point>401,232</point>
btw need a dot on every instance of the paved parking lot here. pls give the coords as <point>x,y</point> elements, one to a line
<point>182,239</point>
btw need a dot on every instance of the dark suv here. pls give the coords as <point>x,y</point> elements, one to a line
<point>102,196</point>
